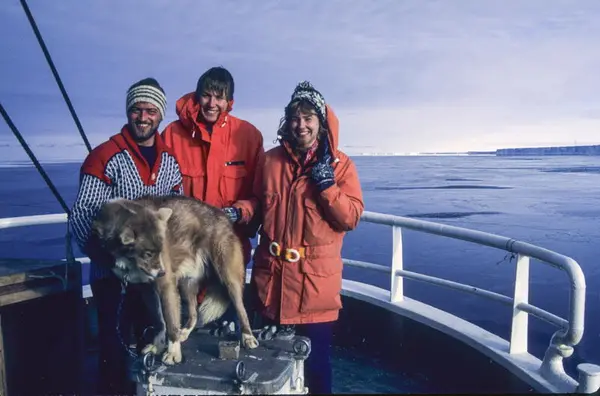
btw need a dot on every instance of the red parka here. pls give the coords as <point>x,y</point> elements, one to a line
<point>297,269</point>
<point>218,168</point>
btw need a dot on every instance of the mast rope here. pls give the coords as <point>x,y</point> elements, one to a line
<point>35,161</point>
<point>55,73</point>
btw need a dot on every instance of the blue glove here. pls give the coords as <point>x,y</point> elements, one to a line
<point>234,214</point>
<point>322,172</point>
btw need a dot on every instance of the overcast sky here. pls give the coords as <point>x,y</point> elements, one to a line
<point>404,76</point>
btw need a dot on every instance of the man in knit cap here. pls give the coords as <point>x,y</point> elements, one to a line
<point>133,163</point>
<point>310,196</point>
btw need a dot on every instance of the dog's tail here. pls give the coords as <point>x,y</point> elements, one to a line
<point>213,306</point>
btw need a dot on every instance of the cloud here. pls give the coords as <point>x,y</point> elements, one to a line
<point>418,75</point>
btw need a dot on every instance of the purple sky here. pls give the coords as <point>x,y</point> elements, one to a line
<point>404,76</point>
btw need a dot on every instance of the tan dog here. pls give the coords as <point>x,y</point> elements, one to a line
<point>178,243</point>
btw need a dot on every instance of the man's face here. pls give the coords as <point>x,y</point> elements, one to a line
<point>304,128</point>
<point>212,104</point>
<point>143,119</point>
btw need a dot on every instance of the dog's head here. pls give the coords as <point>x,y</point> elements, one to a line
<point>134,235</point>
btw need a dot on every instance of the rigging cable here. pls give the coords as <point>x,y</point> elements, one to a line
<point>38,166</point>
<point>55,73</point>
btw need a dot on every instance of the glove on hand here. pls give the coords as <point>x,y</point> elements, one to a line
<point>234,214</point>
<point>322,172</point>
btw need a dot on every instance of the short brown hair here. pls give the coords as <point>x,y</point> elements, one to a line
<point>216,79</point>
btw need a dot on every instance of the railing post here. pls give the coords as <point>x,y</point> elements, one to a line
<point>397,290</point>
<point>589,378</point>
<point>520,319</point>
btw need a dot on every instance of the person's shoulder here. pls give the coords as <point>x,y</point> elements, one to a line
<point>344,160</point>
<point>275,152</point>
<point>343,157</point>
<point>95,162</point>
<point>172,129</point>
<point>175,124</point>
<point>104,151</point>
<point>245,127</point>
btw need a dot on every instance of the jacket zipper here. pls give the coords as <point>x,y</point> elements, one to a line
<point>290,218</point>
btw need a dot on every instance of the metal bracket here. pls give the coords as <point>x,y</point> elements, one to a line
<point>267,333</point>
<point>286,332</point>
<point>149,361</point>
<point>302,348</point>
<point>241,379</point>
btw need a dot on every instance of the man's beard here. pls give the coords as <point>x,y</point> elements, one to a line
<point>140,136</point>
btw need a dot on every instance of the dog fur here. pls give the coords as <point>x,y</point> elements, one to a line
<point>180,244</point>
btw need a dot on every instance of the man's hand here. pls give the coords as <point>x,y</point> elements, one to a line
<point>322,172</point>
<point>234,214</point>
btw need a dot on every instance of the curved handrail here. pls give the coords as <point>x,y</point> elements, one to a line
<point>482,238</point>
<point>576,319</point>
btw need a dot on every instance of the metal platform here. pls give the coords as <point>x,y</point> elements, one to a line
<point>215,364</point>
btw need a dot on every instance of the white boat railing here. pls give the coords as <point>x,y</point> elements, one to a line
<point>570,330</point>
<point>562,342</point>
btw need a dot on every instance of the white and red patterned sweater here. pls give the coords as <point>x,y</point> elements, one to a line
<point>117,169</point>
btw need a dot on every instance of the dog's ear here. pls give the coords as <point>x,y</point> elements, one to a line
<point>127,236</point>
<point>164,214</point>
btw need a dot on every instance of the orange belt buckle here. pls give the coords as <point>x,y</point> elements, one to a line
<point>294,255</point>
<point>274,249</point>
<point>289,255</point>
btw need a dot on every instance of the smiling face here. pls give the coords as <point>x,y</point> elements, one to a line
<point>143,119</point>
<point>303,126</point>
<point>212,104</point>
<point>214,94</point>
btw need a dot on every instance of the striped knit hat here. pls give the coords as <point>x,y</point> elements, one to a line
<point>147,90</point>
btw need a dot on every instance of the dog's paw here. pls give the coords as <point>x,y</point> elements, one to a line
<point>184,334</point>
<point>173,354</point>
<point>150,348</point>
<point>249,341</point>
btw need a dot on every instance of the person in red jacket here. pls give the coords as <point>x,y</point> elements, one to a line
<point>310,196</point>
<point>217,152</point>
<point>133,163</point>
